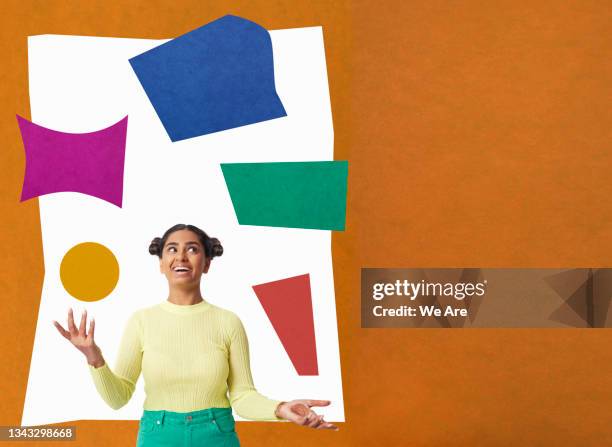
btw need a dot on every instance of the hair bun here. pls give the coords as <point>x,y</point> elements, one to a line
<point>155,246</point>
<point>216,249</point>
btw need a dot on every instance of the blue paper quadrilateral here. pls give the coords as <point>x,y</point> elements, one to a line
<point>289,194</point>
<point>217,77</point>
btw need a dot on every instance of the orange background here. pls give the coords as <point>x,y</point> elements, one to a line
<point>478,135</point>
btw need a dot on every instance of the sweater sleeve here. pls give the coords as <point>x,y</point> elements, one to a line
<point>116,388</point>
<point>243,396</point>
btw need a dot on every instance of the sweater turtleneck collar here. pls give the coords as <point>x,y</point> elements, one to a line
<point>185,309</point>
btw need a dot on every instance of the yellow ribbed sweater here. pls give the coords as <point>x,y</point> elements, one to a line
<point>190,357</point>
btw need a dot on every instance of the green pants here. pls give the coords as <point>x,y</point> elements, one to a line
<point>214,427</point>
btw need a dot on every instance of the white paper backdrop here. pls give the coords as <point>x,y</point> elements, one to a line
<point>82,84</point>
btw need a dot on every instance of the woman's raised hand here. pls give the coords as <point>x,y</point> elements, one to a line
<point>82,340</point>
<point>299,412</point>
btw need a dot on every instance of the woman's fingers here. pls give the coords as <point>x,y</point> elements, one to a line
<point>320,424</point>
<point>83,324</point>
<point>316,421</point>
<point>61,330</point>
<point>317,403</point>
<point>312,420</point>
<point>92,326</point>
<point>71,327</point>
<point>77,335</point>
<point>299,412</point>
<point>327,426</point>
<point>307,419</point>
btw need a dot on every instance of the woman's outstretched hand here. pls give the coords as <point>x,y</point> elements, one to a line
<point>299,412</point>
<point>81,340</point>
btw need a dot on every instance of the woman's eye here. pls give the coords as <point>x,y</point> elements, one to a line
<point>195,249</point>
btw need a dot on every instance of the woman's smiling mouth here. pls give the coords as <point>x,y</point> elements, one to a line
<point>181,270</point>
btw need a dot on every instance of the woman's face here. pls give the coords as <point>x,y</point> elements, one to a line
<point>183,259</point>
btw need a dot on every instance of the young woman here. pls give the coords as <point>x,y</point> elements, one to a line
<point>191,354</point>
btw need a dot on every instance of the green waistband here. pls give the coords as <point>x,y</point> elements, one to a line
<point>206,415</point>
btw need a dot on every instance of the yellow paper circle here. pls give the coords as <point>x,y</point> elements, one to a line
<point>89,271</point>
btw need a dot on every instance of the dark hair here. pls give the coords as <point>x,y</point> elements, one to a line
<point>212,246</point>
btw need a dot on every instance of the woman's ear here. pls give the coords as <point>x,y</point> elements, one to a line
<point>206,265</point>
<point>161,270</point>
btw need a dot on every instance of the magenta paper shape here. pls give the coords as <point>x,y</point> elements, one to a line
<point>89,163</point>
<point>288,304</point>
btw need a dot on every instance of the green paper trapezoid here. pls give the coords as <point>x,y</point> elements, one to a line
<point>293,194</point>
